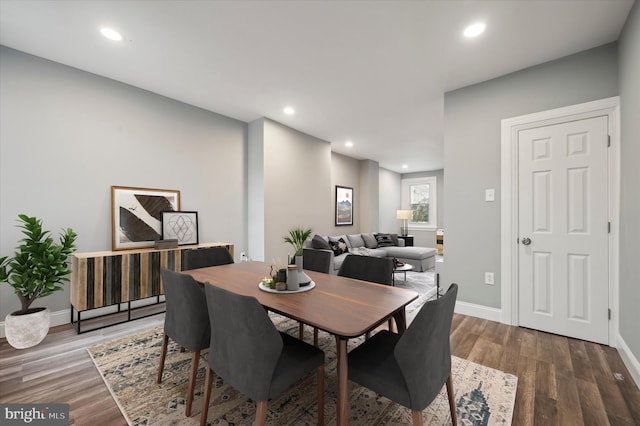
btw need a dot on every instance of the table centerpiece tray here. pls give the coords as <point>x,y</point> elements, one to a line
<point>302,289</point>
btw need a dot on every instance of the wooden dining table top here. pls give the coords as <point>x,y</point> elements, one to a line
<point>344,307</point>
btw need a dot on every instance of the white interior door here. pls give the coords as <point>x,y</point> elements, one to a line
<point>563,229</point>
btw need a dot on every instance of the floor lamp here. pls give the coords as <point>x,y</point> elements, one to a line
<point>405,216</point>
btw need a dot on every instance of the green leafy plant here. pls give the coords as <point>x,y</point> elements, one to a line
<point>297,236</point>
<point>39,266</point>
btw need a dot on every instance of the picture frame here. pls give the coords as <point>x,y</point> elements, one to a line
<point>136,215</point>
<point>344,206</point>
<point>180,225</point>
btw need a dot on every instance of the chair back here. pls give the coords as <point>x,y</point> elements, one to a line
<point>368,268</point>
<point>208,256</point>
<point>187,318</point>
<point>316,260</point>
<point>423,352</point>
<point>245,345</point>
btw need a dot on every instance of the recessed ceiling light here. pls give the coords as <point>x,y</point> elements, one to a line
<point>405,166</point>
<point>348,144</point>
<point>111,34</point>
<point>289,111</point>
<point>474,30</point>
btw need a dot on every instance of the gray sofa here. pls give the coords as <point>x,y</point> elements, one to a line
<point>326,253</point>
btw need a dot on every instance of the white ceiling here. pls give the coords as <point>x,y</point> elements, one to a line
<point>373,72</point>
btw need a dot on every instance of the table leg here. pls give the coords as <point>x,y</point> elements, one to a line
<point>342,404</point>
<point>401,320</point>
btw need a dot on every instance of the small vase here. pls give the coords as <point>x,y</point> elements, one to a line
<point>293,283</point>
<point>302,277</point>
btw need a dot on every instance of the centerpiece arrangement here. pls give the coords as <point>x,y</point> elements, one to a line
<point>290,276</point>
<point>297,236</point>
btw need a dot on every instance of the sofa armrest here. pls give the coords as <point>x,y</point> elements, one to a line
<point>317,260</point>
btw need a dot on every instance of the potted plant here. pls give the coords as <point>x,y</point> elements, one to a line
<point>38,268</point>
<point>297,236</point>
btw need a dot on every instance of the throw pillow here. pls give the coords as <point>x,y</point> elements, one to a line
<point>339,247</point>
<point>355,240</point>
<point>320,243</point>
<point>384,240</point>
<point>394,238</point>
<point>370,241</point>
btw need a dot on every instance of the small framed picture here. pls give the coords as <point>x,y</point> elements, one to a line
<point>180,225</point>
<point>344,205</point>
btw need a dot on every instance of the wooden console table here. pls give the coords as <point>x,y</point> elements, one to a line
<point>108,278</point>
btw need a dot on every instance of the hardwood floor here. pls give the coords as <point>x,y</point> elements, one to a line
<point>561,381</point>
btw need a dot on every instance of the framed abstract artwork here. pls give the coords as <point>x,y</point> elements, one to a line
<point>344,205</point>
<point>136,215</point>
<point>182,226</point>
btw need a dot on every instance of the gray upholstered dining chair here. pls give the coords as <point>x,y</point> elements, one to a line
<point>368,268</point>
<point>249,353</point>
<point>186,322</point>
<point>410,369</point>
<point>207,256</point>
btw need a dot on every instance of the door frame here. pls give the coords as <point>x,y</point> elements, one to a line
<point>509,190</point>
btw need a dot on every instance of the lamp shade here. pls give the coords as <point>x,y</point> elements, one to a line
<point>404,214</point>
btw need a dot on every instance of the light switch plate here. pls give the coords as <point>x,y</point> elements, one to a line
<point>488,278</point>
<point>490,194</point>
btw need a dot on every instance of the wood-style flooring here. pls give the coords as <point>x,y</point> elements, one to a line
<point>561,381</point>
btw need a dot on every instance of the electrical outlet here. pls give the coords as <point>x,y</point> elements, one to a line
<point>488,278</point>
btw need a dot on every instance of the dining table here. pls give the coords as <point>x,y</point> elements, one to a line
<point>343,307</point>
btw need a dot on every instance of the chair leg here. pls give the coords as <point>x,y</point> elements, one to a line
<point>417,417</point>
<point>315,337</point>
<point>452,403</point>
<point>300,331</point>
<point>163,355</point>
<point>261,413</point>
<point>321,395</point>
<point>208,380</point>
<point>195,359</point>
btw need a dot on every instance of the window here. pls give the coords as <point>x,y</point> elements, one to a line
<point>420,196</point>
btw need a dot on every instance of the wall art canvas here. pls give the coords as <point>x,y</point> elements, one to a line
<point>344,205</point>
<point>182,226</point>
<point>136,215</point>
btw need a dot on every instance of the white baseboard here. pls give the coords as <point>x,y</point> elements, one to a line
<point>479,311</point>
<point>57,318</point>
<point>630,361</point>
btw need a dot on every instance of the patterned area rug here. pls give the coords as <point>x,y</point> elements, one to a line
<point>129,366</point>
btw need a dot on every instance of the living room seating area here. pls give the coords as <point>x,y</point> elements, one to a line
<point>326,253</point>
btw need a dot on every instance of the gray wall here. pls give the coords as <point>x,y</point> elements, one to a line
<point>345,171</point>
<point>472,155</point>
<point>629,63</point>
<point>369,195</point>
<point>255,191</point>
<point>297,185</point>
<point>389,201</point>
<point>66,136</point>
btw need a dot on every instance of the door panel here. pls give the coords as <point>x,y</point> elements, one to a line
<point>563,199</point>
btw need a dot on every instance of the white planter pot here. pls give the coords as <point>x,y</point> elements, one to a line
<point>25,331</point>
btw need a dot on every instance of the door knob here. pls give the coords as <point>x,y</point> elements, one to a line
<point>526,241</point>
